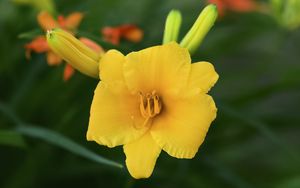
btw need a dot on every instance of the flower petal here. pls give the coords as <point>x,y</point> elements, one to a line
<point>53,59</point>
<point>162,68</point>
<point>68,72</point>
<point>131,32</point>
<point>242,6</point>
<point>141,156</point>
<point>46,21</point>
<point>182,126</point>
<point>38,45</point>
<point>73,20</point>
<point>202,77</point>
<point>92,45</point>
<point>111,67</point>
<point>114,117</point>
<point>111,34</point>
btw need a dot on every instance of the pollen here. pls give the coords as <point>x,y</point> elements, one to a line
<point>150,104</point>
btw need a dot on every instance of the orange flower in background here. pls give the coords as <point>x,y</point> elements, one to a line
<point>129,32</point>
<point>234,5</point>
<point>40,45</point>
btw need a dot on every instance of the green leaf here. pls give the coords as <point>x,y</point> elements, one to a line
<point>291,182</point>
<point>54,138</point>
<point>65,143</point>
<point>260,127</point>
<point>11,138</point>
<point>30,34</point>
<point>226,173</point>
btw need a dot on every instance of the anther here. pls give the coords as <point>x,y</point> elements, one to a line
<point>150,104</point>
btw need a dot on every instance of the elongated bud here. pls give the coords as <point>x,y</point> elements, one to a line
<point>172,26</point>
<point>74,52</point>
<point>196,34</point>
<point>287,13</point>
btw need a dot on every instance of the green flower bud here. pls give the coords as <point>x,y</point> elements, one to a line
<point>287,13</point>
<point>196,34</point>
<point>172,26</point>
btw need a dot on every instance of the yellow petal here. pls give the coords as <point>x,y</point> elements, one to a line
<point>162,68</point>
<point>141,156</point>
<point>46,21</point>
<point>182,126</point>
<point>114,117</point>
<point>111,67</point>
<point>202,77</point>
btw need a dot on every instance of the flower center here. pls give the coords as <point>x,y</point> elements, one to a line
<point>150,104</point>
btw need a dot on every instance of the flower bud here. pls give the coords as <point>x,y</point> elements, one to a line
<point>287,13</point>
<point>74,52</point>
<point>196,34</point>
<point>172,26</point>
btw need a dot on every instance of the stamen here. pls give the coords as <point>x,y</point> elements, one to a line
<point>150,104</point>
<point>157,105</point>
<point>49,33</point>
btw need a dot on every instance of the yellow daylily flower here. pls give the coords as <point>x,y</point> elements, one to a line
<point>152,100</point>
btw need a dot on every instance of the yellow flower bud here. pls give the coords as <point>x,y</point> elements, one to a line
<point>74,52</point>
<point>172,26</point>
<point>196,34</point>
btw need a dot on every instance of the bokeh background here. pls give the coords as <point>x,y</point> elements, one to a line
<point>254,142</point>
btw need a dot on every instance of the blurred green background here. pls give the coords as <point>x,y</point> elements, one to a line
<point>254,142</point>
